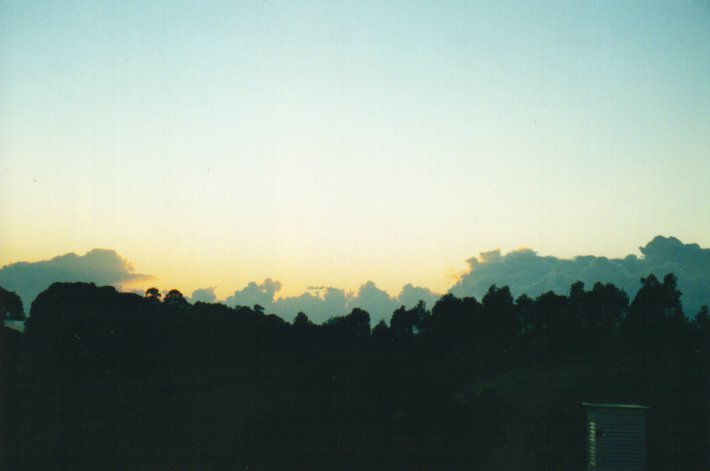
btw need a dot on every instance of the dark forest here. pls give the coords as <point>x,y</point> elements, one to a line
<point>107,380</point>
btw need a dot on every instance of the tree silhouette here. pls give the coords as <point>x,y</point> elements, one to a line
<point>153,294</point>
<point>381,332</point>
<point>301,321</point>
<point>453,319</point>
<point>604,309</point>
<point>10,306</point>
<point>525,316</point>
<point>175,298</point>
<point>701,323</point>
<point>656,310</point>
<point>499,316</point>
<point>408,323</point>
<point>355,326</point>
<point>552,319</point>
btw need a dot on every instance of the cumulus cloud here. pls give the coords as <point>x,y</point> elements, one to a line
<point>256,293</point>
<point>523,270</point>
<point>527,272</point>
<point>319,303</point>
<point>411,295</point>
<point>100,266</point>
<point>375,301</point>
<point>323,302</point>
<point>205,295</point>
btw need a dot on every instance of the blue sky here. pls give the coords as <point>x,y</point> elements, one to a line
<point>330,143</point>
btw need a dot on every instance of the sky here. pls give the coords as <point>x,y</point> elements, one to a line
<point>212,144</point>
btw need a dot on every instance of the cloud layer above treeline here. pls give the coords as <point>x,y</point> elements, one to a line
<point>323,302</point>
<point>524,271</point>
<point>100,266</point>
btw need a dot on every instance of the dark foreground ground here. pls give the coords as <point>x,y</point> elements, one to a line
<point>203,388</point>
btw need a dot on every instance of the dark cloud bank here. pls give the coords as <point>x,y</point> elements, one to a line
<point>523,270</point>
<point>100,266</point>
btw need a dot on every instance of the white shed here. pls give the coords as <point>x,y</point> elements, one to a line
<point>616,437</point>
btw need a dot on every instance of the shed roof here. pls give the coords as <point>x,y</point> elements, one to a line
<point>614,406</point>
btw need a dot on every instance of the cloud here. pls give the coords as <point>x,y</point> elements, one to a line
<point>411,295</point>
<point>256,293</point>
<point>100,266</point>
<point>375,301</point>
<point>205,295</point>
<point>321,303</point>
<point>524,271</point>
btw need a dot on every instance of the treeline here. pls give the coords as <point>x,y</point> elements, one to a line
<point>109,380</point>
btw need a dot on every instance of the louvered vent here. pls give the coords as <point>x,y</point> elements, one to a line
<point>616,437</point>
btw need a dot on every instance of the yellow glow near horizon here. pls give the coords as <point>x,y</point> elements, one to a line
<point>217,145</point>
